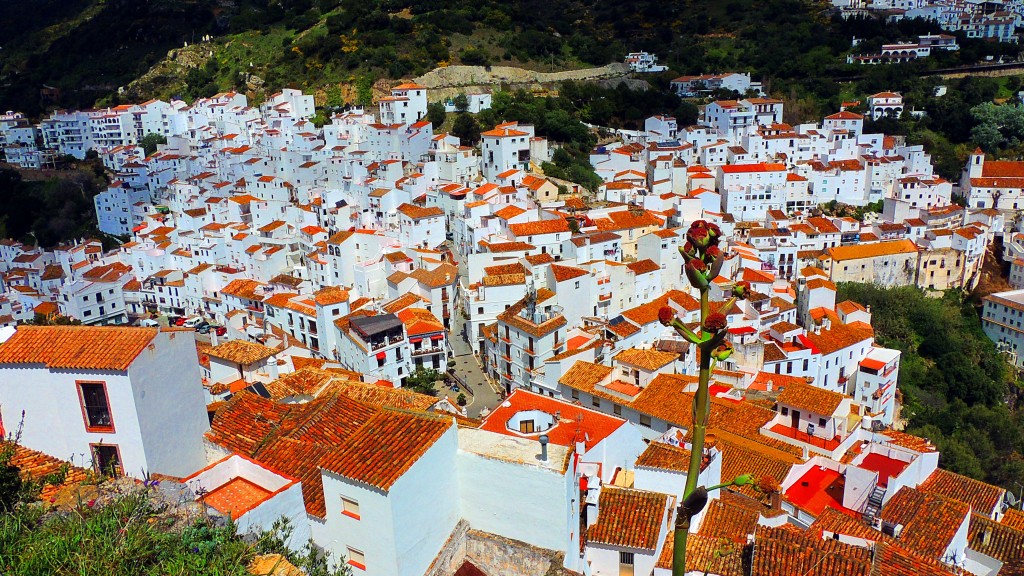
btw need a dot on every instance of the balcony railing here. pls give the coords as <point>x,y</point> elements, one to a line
<point>425,351</point>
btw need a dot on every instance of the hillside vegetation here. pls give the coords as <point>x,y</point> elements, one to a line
<point>87,49</point>
<point>957,391</point>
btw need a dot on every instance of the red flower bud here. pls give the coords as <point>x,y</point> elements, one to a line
<point>741,290</point>
<point>697,264</point>
<point>666,315</point>
<point>715,322</point>
<point>90,503</point>
<point>712,252</point>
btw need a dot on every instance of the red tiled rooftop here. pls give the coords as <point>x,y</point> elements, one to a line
<point>802,436</point>
<point>885,466</point>
<point>624,388</point>
<point>819,489</point>
<point>576,422</point>
<point>236,497</point>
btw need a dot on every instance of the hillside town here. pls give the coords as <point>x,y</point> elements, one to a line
<point>279,290</point>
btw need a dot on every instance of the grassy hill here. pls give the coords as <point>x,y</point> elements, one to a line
<point>88,49</point>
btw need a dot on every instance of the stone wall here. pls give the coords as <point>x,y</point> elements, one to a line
<point>453,554</point>
<point>498,556</point>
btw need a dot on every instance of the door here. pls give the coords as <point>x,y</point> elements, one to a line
<point>795,415</point>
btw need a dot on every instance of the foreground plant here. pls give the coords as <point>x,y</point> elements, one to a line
<point>704,261</point>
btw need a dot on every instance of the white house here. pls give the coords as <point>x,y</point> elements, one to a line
<point>128,400</point>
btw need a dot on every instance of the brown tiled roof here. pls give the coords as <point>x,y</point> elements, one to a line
<point>303,382</point>
<point>584,375</point>
<point>501,269</point>
<point>871,250</point>
<point>1014,519</point>
<point>563,273</point>
<point>629,518</point>
<point>705,554</point>
<point>416,212</point>
<point>728,521</point>
<point>76,347</point>
<point>742,455</point>
<point>811,398</point>
<point>503,280</point>
<point>835,522</point>
<point>647,313</point>
<point>997,540</point>
<point>37,466</point>
<point>242,352</point>
<point>244,421</point>
<point>930,521</point>
<point>983,498</point>
<point>330,295</point>
<point>643,266</point>
<point>665,457</point>
<point>368,459</point>
<point>647,359</point>
<point>385,397</point>
<point>538,227</point>
<point>243,288</point>
<point>787,550</point>
<point>915,443</point>
<point>840,336</point>
<point>511,317</point>
<point>442,275</point>
<point>403,301</point>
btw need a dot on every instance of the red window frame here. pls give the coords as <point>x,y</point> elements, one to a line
<point>85,415</point>
<point>95,460</point>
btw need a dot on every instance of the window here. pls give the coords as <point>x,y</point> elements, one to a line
<point>350,507</point>
<point>526,427</point>
<point>821,422</point>
<point>356,558</point>
<point>575,394</point>
<point>480,310</point>
<point>617,409</point>
<point>785,411</point>
<point>645,420</point>
<point>95,407</point>
<point>595,401</point>
<point>106,459</point>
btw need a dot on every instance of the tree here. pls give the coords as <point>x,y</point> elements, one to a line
<point>423,380</point>
<point>436,114</point>
<point>461,399</point>
<point>150,141</point>
<point>461,102</point>
<point>466,128</point>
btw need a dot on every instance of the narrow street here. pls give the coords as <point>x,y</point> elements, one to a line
<point>465,365</point>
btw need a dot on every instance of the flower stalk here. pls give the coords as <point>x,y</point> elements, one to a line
<point>704,261</point>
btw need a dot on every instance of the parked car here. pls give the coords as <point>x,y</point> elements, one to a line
<point>204,329</point>
<point>179,321</point>
<point>150,323</point>
<point>194,321</point>
<point>221,330</point>
<point>200,325</point>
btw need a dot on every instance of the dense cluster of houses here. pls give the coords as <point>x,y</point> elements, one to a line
<point>991,20</point>
<point>339,260</point>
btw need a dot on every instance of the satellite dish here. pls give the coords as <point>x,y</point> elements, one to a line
<point>1011,499</point>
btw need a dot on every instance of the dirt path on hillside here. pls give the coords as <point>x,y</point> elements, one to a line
<point>451,80</point>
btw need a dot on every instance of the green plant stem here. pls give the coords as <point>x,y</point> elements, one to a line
<point>701,406</point>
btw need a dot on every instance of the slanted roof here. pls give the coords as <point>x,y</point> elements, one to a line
<point>241,352</point>
<point>629,518</point>
<point>811,398</point>
<point>385,447</point>
<point>76,347</point>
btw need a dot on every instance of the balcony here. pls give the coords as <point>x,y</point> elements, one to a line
<point>427,351</point>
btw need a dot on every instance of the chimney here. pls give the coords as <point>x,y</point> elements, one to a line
<point>776,500</point>
<point>769,386</point>
<point>543,447</point>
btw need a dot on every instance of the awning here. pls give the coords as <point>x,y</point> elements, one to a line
<point>437,336</point>
<point>139,228</point>
<point>381,355</point>
<point>414,340</point>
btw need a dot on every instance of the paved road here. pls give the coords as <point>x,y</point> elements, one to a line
<point>466,367</point>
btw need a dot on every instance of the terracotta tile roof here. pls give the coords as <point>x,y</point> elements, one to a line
<point>76,347</point>
<point>742,455</point>
<point>629,518</point>
<point>725,520</point>
<point>243,288</point>
<point>330,295</point>
<point>983,498</point>
<point>402,302</point>
<point>835,522</point>
<point>772,353</point>
<point>648,313</point>
<point>648,359</point>
<point>811,398</point>
<point>508,247</point>
<point>300,460</point>
<point>384,397</point>
<point>564,273</point>
<point>705,554</point>
<point>627,219</point>
<point>787,550</point>
<point>643,266</point>
<point>503,280</point>
<point>242,352</point>
<point>930,521</point>
<point>509,212</point>
<point>1014,519</point>
<point>538,259</point>
<point>511,317</point>
<point>417,212</point>
<point>501,269</point>
<point>584,375</point>
<point>419,321</point>
<point>443,275</point>
<point>244,421</point>
<point>367,459</point>
<point>840,336</point>
<point>871,250</point>
<point>36,466</point>
<point>538,227</point>
<point>576,424</point>
<point>665,457</point>
<point>306,381</point>
<point>1000,541</point>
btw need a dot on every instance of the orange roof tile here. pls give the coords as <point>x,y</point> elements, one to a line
<point>648,359</point>
<point>242,352</point>
<point>76,347</point>
<point>930,521</point>
<point>629,518</point>
<point>811,398</point>
<point>367,459</point>
<point>539,227</point>
<point>417,212</point>
<point>983,498</point>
